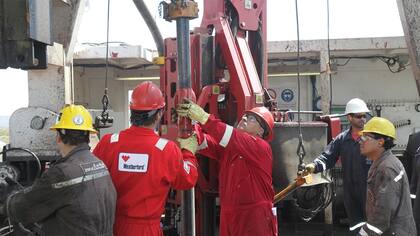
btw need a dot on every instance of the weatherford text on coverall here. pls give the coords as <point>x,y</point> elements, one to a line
<point>143,167</point>
<point>245,179</point>
<point>75,196</point>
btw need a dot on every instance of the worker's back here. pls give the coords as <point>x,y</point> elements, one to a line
<point>143,167</point>
<point>91,210</point>
<point>74,197</point>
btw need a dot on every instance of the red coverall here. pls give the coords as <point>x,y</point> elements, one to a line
<point>245,179</point>
<point>143,167</point>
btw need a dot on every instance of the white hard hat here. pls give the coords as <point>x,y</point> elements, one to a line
<point>356,105</point>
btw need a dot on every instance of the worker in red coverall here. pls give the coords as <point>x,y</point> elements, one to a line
<point>144,166</point>
<point>245,178</point>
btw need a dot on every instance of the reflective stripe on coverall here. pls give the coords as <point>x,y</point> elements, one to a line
<point>245,179</point>
<point>388,205</point>
<point>355,168</point>
<point>143,167</point>
<point>75,196</point>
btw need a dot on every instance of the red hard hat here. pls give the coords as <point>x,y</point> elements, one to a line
<point>147,96</point>
<point>267,117</point>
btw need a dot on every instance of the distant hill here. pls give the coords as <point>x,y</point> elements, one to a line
<point>4,121</point>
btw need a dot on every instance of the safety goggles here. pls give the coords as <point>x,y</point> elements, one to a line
<point>250,118</point>
<point>366,137</point>
<point>253,119</point>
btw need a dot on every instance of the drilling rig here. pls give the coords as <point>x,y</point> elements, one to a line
<point>222,65</point>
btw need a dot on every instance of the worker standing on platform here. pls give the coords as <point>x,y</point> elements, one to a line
<point>75,196</point>
<point>145,166</point>
<point>388,205</point>
<point>354,165</point>
<point>245,178</point>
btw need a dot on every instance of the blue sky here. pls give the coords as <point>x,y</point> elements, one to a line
<point>348,19</point>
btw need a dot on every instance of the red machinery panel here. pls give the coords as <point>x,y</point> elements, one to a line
<point>228,71</point>
<point>334,126</point>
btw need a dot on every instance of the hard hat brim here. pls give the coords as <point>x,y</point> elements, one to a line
<point>57,127</point>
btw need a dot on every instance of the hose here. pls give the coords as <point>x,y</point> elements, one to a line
<point>38,162</point>
<point>38,174</point>
<point>313,199</point>
<point>157,36</point>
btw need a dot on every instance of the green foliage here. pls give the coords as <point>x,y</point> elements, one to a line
<point>4,135</point>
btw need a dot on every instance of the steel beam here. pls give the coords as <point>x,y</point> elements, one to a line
<point>325,80</point>
<point>410,19</point>
<point>67,16</point>
<point>338,45</point>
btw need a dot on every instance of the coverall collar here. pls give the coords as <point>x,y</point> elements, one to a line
<point>384,155</point>
<point>138,129</point>
<point>347,135</point>
<point>80,147</point>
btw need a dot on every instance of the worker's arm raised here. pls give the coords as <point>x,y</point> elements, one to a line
<point>193,111</point>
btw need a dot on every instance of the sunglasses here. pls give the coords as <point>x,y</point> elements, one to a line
<point>358,116</point>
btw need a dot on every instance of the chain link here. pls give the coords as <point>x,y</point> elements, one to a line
<point>105,105</point>
<point>301,153</point>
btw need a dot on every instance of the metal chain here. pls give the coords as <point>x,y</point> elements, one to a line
<point>105,105</point>
<point>105,98</point>
<point>300,149</point>
<point>160,9</point>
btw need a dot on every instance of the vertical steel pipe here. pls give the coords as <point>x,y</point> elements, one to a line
<point>183,45</point>
<point>184,84</point>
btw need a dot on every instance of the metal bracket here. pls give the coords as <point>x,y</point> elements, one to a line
<point>159,60</point>
<point>179,9</point>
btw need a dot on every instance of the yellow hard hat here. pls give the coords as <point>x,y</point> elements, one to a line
<point>74,117</point>
<point>379,125</point>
